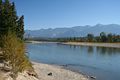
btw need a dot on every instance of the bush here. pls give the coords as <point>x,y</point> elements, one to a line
<point>14,52</point>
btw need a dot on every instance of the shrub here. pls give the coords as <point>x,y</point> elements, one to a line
<point>14,52</point>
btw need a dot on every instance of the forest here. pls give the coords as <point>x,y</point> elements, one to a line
<point>103,37</point>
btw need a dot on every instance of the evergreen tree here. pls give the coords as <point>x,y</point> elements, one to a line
<point>9,21</point>
<point>7,1</point>
<point>90,37</point>
<point>0,9</point>
<point>20,28</point>
<point>103,37</point>
<point>0,2</point>
<point>109,36</point>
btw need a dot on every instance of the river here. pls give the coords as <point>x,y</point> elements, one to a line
<point>102,62</point>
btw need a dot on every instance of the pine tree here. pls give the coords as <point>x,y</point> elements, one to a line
<point>20,28</point>
<point>6,17</point>
<point>9,21</point>
<point>0,2</point>
<point>0,8</point>
<point>0,16</point>
<point>7,1</point>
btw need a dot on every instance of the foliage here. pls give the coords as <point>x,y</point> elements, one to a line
<point>14,52</point>
<point>90,37</point>
<point>103,37</point>
<point>11,38</point>
<point>9,21</point>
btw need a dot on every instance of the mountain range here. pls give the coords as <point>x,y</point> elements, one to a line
<point>77,31</point>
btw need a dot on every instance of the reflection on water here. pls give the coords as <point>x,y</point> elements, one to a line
<point>108,51</point>
<point>90,49</point>
<point>98,61</point>
<point>104,51</point>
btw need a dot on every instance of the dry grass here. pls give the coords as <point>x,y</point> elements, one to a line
<point>14,52</point>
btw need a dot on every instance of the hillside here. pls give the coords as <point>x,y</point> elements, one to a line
<point>76,31</point>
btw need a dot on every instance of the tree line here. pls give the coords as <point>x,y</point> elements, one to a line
<point>103,37</point>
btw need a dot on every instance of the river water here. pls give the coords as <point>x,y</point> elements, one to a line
<point>104,63</point>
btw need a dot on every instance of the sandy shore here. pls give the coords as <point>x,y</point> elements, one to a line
<point>57,73</point>
<point>42,70</point>
<point>34,42</point>
<point>114,45</point>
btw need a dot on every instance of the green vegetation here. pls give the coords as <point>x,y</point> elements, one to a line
<point>103,37</point>
<point>11,39</point>
<point>9,21</point>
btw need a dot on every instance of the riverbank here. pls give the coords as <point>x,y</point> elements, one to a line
<point>113,45</point>
<point>46,72</point>
<point>51,72</point>
<point>34,42</point>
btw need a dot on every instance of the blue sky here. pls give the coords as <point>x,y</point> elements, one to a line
<point>67,13</point>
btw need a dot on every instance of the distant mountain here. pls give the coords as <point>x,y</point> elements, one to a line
<point>77,31</point>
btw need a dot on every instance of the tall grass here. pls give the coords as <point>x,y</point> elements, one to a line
<point>14,52</point>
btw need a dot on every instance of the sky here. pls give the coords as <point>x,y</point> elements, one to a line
<point>43,14</point>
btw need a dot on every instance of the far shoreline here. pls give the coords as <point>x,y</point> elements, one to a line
<point>111,45</point>
<point>34,42</point>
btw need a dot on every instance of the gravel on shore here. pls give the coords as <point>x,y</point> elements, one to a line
<point>51,72</point>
